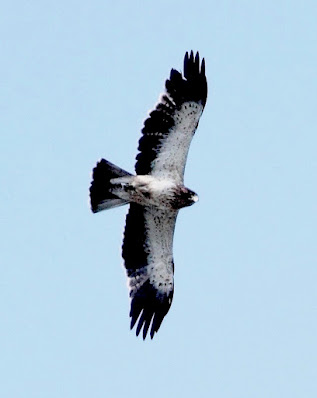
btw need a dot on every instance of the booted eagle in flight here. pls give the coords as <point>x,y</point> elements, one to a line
<point>155,194</point>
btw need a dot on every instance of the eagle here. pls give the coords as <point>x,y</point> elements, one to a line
<point>155,193</point>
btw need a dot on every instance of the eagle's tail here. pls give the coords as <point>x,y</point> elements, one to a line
<point>101,197</point>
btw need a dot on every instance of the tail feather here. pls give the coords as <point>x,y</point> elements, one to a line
<point>100,196</point>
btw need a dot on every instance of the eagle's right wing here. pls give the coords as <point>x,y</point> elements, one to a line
<point>169,129</point>
<point>148,259</point>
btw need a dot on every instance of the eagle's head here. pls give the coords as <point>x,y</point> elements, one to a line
<point>184,197</point>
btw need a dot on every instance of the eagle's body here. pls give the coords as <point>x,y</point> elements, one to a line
<point>147,190</point>
<point>155,193</point>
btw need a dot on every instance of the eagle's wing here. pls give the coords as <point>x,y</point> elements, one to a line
<point>148,259</point>
<point>168,131</point>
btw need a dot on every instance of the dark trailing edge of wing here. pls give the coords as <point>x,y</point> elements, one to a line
<point>146,301</point>
<point>134,240</point>
<point>192,86</point>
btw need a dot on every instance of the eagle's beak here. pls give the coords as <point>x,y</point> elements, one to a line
<point>195,198</point>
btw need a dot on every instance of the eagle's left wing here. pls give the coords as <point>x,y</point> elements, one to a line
<point>148,259</point>
<point>168,131</point>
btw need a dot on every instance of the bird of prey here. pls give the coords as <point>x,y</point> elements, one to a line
<point>155,193</point>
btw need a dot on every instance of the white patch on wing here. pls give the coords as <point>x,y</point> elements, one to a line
<point>161,276</point>
<point>171,158</point>
<point>160,230</point>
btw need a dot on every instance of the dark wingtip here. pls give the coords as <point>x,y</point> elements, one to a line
<point>148,309</point>
<point>202,68</point>
<point>192,64</point>
<point>195,76</point>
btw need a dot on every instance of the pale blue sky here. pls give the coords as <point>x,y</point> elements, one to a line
<point>77,81</point>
